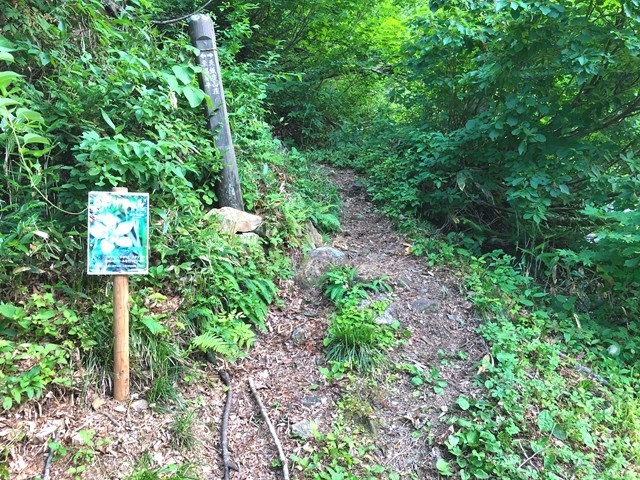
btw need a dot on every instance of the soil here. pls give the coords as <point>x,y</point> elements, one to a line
<point>403,420</point>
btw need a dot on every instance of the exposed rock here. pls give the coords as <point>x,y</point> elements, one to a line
<point>387,317</point>
<point>48,430</point>
<point>97,402</point>
<point>405,280</point>
<point>299,336</point>
<point>235,221</point>
<point>317,264</point>
<point>311,400</point>
<point>139,405</point>
<point>314,235</point>
<point>424,305</point>
<point>250,238</point>
<point>303,429</point>
<point>79,439</point>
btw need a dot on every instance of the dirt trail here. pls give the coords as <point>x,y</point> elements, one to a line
<point>288,370</point>
<point>284,364</point>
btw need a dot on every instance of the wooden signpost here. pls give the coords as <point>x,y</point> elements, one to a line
<point>203,37</point>
<point>118,245</point>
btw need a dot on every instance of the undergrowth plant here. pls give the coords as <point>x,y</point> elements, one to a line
<point>144,470</point>
<point>88,102</point>
<point>345,453</point>
<point>344,288</point>
<point>354,338</point>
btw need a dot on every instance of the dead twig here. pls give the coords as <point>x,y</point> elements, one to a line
<point>111,419</point>
<point>183,17</point>
<point>224,442</point>
<point>531,457</point>
<point>49,460</point>
<point>585,370</point>
<point>272,430</point>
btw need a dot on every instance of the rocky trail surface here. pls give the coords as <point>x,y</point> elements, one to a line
<point>284,363</point>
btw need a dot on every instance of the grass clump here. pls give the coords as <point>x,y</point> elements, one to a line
<point>354,339</point>
<point>182,435</point>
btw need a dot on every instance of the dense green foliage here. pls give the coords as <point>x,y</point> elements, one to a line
<point>525,141</point>
<point>354,338</point>
<point>90,102</point>
<point>509,126</point>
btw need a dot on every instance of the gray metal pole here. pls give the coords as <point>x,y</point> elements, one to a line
<point>203,37</point>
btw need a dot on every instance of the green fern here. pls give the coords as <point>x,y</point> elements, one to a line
<point>212,342</point>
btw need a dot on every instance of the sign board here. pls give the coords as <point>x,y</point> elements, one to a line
<point>118,227</point>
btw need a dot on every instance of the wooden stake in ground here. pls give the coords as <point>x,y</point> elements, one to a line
<point>120,331</point>
<point>203,37</point>
<point>272,430</point>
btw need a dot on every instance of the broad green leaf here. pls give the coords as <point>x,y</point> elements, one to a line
<point>184,73</point>
<point>153,325</point>
<point>545,421</point>
<point>443,467</point>
<point>10,311</point>
<point>463,403</point>
<point>4,102</point>
<point>173,82</point>
<point>34,138</point>
<point>7,77</point>
<point>559,433</point>
<point>107,119</point>
<point>194,95</point>
<point>29,115</point>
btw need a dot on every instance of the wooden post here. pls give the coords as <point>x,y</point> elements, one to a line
<point>120,331</point>
<point>203,37</point>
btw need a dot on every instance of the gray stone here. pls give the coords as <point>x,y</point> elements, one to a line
<point>404,280</point>
<point>317,264</point>
<point>299,336</point>
<point>424,305</point>
<point>388,317</point>
<point>311,400</point>
<point>303,429</point>
<point>250,238</point>
<point>314,235</point>
<point>139,405</point>
<point>235,221</point>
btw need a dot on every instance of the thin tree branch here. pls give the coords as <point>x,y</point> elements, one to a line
<point>184,17</point>
<point>224,442</point>
<point>272,430</point>
<point>49,460</point>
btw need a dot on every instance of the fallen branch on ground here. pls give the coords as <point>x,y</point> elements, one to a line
<point>272,430</point>
<point>49,460</point>
<point>224,443</point>
<point>585,370</point>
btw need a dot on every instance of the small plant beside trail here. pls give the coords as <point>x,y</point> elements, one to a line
<point>344,288</point>
<point>174,471</point>
<point>345,453</point>
<point>354,339</point>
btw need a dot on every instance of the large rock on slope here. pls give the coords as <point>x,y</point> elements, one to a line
<point>235,221</point>
<point>319,262</point>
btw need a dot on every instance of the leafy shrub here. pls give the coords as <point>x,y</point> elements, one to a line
<point>343,288</point>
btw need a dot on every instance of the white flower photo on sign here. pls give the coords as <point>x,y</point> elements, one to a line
<point>118,233</point>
